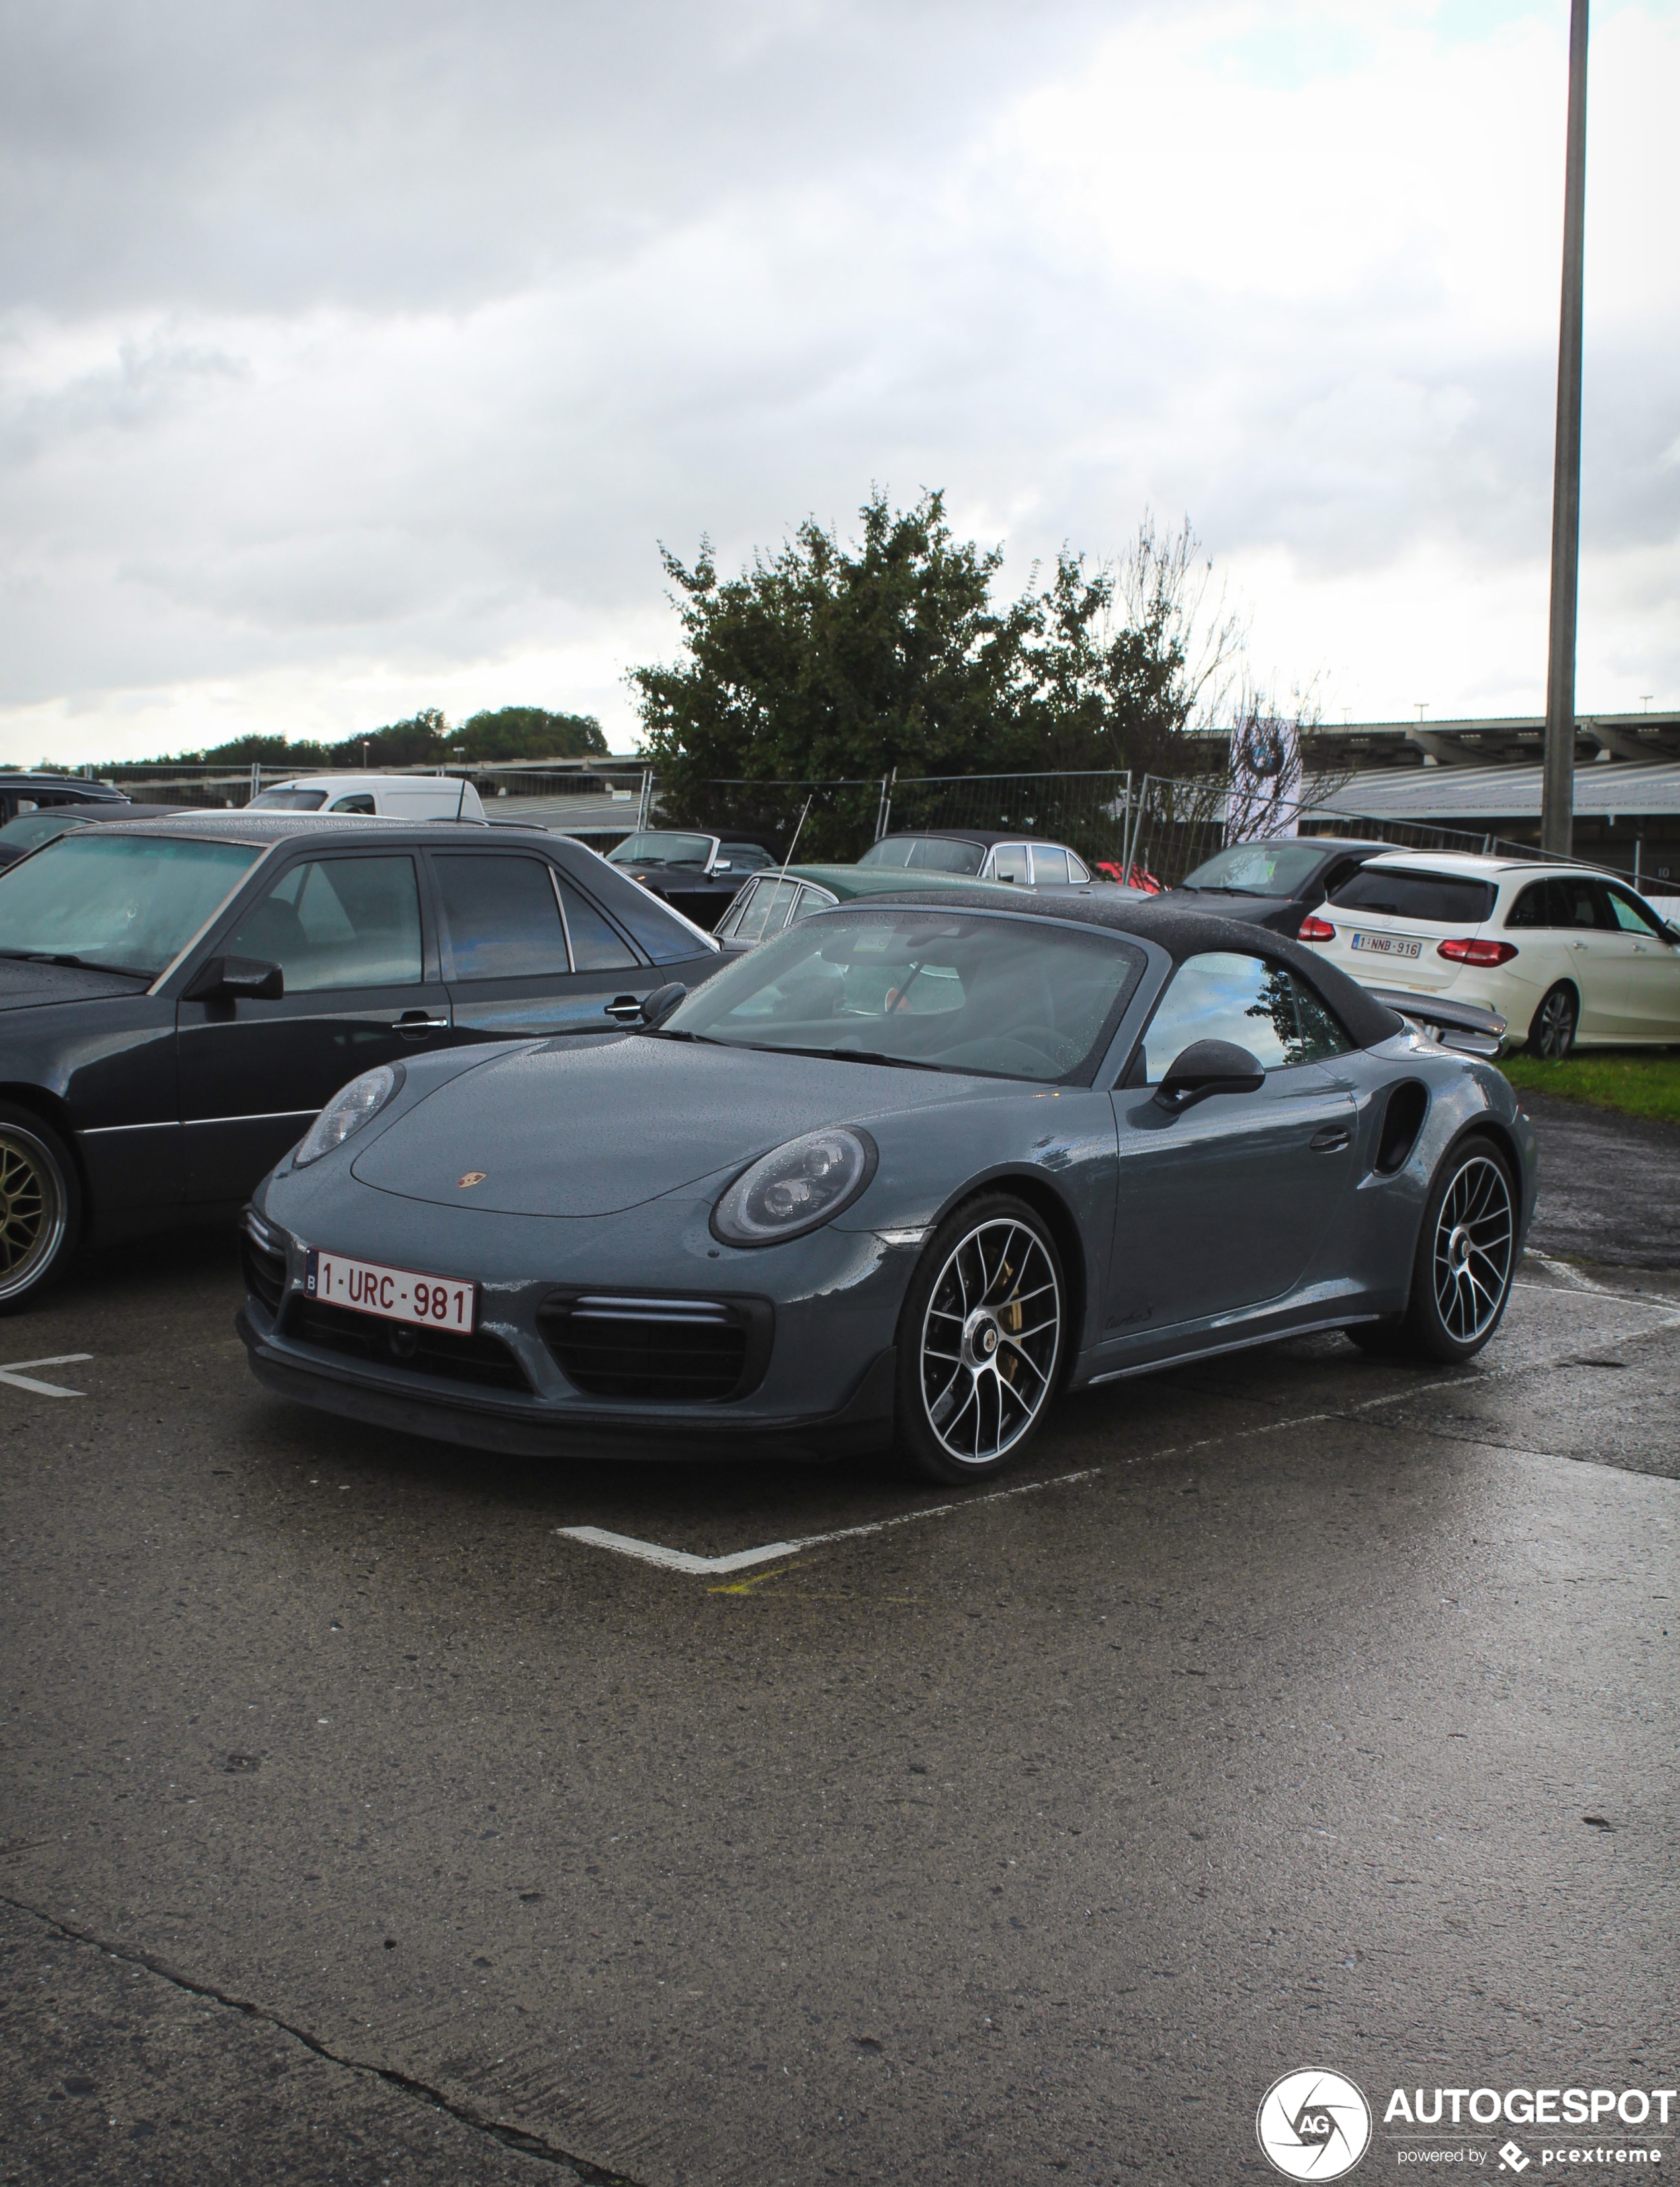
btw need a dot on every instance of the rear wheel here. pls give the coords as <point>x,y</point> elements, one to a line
<point>40,1207</point>
<point>1461,1279</point>
<point>1552,1034</point>
<point>980,1340</point>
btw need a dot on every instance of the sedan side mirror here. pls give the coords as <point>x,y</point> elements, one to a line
<point>657,1007</point>
<point>1205,1067</point>
<point>238,979</point>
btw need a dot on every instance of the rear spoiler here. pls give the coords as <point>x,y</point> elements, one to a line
<point>1465,1026</point>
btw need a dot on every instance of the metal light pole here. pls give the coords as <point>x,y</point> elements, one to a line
<point>1557,798</point>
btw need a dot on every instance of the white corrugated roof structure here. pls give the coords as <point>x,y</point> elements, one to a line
<point>1483,796</point>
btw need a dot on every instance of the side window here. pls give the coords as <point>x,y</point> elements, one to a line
<point>1631,917</point>
<point>361,801</point>
<point>502,917</point>
<point>1008,863</point>
<point>810,900</point>
<point>766,910</point>
<point>1252,1003</point>
<point>1050,867</point>
<point>338,923</point>
<point>596,946</point>
<point>1574,904</point>
<point>1076,870</point>
<point>1530,909</point>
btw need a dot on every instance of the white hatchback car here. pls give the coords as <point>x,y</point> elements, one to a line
<point>1562,952</point>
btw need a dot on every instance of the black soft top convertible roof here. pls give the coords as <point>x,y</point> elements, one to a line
<point>1181,932</point>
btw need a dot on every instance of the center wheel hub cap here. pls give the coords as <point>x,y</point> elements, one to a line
<point>1458,1247</point>
<point>979,1339</point>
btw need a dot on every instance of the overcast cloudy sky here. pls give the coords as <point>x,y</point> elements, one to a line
<point>355,358</point>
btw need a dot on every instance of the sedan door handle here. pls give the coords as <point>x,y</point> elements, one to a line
<point>624,1008</point>
<point>1330,1140</point>
<point>417,1021</point>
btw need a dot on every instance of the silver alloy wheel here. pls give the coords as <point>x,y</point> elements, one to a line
<point>1557,1024</point>
<point>33,1212</point>
<point>1471,1260</point>
<point>990,1342</point>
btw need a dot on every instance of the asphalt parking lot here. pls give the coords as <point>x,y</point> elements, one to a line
<point>378,1811</point>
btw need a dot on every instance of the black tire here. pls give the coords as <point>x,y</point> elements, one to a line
<point>981,1341</point>
<point>40,1207</point>
<point>1382,1339</point>
<point>1552,1033</point>
<point>1466,1255</point>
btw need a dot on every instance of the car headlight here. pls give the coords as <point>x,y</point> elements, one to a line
<point>350,1109</point>
<point>798,1188</point>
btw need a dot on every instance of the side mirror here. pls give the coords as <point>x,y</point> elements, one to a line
<point>238,979</point>
<point>1206,1067</point>
<point>657,1007</point>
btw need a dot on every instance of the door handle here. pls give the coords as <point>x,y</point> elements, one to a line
<point>417,1021</point>
<point>625,1009</point>
<point>1330,1139</point>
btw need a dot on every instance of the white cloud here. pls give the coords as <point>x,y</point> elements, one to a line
<point>354,361</point>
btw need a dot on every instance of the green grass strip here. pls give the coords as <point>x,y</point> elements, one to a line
<point>1645,1084</point>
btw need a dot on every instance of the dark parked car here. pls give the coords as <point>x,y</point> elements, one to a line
<point>30,830</point>
<point>179,996</point>
<point>30,793</point>
<point>696,874</point>
<point>905,1170</point>
<point>982,854</point>
<point>1277,884</point>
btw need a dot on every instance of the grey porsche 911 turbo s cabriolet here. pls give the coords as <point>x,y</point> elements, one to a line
<point>899,1176</point>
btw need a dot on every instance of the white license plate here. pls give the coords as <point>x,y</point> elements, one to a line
<point>392,1294</point>
<point>1385,945</point>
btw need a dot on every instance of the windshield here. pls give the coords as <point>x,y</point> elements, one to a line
<point>126,904</point>
<point>1258,868</point>
<point>958,991</point>
<point>30,828</point>
<point>662,850</point>
<point>930,852</point>
<point>288,800</point>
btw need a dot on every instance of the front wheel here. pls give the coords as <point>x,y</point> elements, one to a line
<point>1552,1034</point>
<point>40,1208</point>
<point>980,1340</point>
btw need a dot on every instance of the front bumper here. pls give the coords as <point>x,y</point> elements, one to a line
<point>825,1389</point>
<point>527,1428</point>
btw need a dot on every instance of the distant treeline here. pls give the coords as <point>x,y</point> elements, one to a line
<point>426,738</point>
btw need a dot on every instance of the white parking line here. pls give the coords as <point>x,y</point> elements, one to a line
<point>684,1560</point>
<point>18,1380</point>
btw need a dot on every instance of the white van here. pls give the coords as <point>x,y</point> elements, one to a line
<point>395,797</point>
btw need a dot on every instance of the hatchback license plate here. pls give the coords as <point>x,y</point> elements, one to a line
<point>392,1294</point>
<point>1385,945</point>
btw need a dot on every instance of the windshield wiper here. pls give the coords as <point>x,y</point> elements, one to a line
<point>838,1054</point>
<point>677,1032</point>
<point>81,963</point>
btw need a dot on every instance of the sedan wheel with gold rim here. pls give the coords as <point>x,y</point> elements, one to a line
<point>38,1208</point>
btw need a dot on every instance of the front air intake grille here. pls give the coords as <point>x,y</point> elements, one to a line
<point>436,1352</point>
<point>264,1269</point>
<point>685,1351</point>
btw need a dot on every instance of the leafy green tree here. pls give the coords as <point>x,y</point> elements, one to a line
<point>825,662</point>
<point>529,732</point>
<point>835,663</point>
